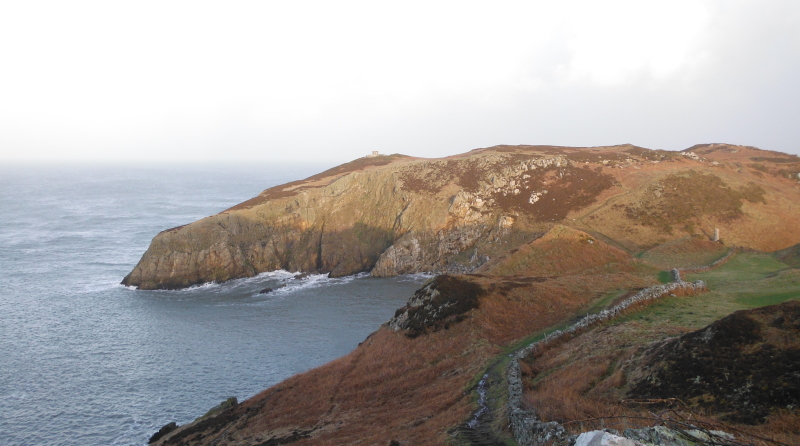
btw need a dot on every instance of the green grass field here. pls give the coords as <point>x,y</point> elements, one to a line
<point>748,280</point>
<point>683,253</point>
<point>744,269</point>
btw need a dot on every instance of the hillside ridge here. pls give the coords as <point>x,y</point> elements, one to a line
<point>396,214</point>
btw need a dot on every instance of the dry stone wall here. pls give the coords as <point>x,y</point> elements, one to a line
<point>525,424</point>
<point>724,259</point>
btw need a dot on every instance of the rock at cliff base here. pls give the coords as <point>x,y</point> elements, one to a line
<point>227,404</point>
<point>167,428</point>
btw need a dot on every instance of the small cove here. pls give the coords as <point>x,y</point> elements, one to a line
<point>87,361</point>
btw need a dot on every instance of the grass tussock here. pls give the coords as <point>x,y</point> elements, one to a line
<point>411,390</point>
<point>375,394</point>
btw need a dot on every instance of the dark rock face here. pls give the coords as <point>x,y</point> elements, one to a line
<point>741,366</point>
<point>167,428</point>
<point>205,426</point>
<point>441,302</point>
<point>268,290</point>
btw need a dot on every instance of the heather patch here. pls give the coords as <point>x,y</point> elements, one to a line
<point>684,198</point>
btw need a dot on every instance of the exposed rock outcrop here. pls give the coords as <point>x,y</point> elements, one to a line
<point>165,429</point>
<point>440,302</point>
<point>653,436</point>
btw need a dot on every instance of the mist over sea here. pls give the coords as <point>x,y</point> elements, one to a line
<point>86,361</point>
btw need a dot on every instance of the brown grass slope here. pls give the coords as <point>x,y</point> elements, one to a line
<point>687,252</point>
<point>413,386</point>
<point>653,364</point>
<point>562,251</point>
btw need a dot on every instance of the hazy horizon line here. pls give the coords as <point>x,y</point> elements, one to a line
<point>144,162</point>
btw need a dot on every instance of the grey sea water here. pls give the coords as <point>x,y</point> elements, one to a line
<point>86,361</point>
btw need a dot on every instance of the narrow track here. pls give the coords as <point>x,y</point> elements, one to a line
<point>482,428</point>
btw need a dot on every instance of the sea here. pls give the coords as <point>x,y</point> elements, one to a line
<point>87,361</point>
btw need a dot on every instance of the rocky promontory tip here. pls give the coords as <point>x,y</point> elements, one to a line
<point>396,214</point>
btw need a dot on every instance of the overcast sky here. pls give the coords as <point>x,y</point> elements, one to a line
<point>333,80</point>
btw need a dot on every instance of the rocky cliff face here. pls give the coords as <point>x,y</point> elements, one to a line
<point>396,214</point>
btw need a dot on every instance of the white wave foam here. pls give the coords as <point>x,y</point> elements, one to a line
<point>287,282</point>
<point>279,275</point>
<point>202,286</point>
<point>416,277</point>
<point>316,281</point>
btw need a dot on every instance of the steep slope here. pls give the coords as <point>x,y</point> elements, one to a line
<point>698,361</point>
<point>741,366</point>
<point>561,251</point>
<point>395,214</point>
<point>411,381</point>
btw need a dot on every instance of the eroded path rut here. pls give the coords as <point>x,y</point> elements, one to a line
<point>481,429</point>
